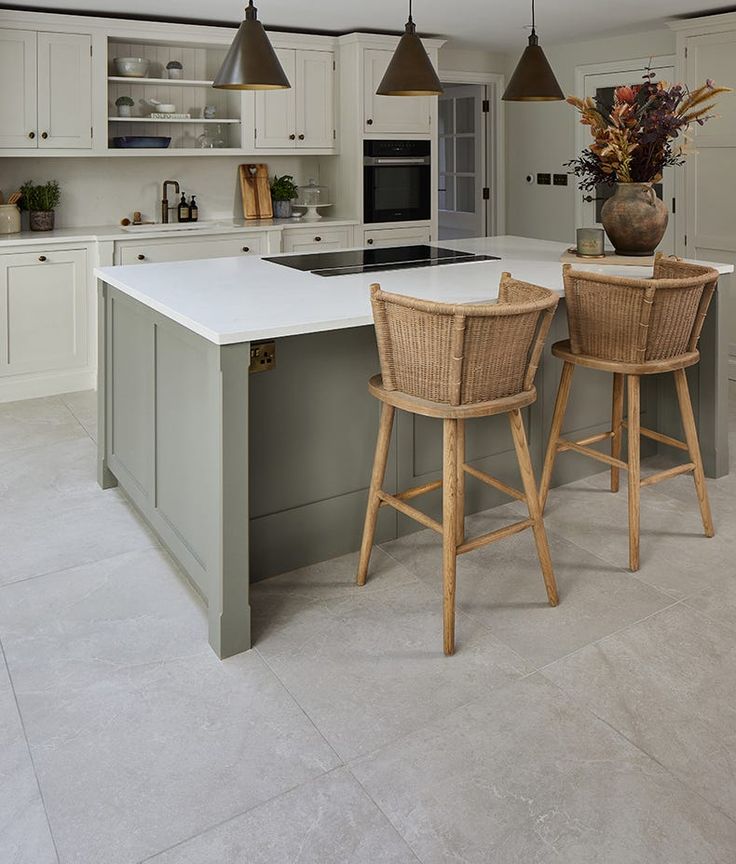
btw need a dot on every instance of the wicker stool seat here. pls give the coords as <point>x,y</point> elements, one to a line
<point>457,362</point>
<point>633,328</point>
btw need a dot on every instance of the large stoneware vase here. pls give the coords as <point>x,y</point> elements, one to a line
<point>634,219</point>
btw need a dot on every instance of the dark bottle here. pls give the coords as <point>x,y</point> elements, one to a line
<point>193,210</point>
<point>183,209</point>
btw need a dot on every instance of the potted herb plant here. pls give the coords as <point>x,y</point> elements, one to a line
<point>175,70</point>
<point>124,104</point>
<point>643,132</point>
<point>41,202</point>
<point>283,192</point>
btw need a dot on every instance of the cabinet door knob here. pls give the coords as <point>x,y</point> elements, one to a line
<point>317,239</point>
<point>44,135</point>
<point>369,121</point>
<point>369,241</point>
<point>141,257</point>
<point>301,137</point>
<point>292,137</point>
<point>31,135</point>
<point>246,248</point>
<point>41,257</point>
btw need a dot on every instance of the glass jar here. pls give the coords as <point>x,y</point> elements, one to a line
<point>9,219</point>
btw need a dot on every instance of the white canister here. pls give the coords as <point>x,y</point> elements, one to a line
<point>9,219</point>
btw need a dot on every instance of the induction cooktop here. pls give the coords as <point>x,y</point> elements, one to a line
<point>344,263</point>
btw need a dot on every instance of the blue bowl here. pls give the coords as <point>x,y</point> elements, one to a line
<point>153,141</point>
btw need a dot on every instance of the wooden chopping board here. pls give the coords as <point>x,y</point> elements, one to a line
<point>255,191</point>
<point>610,258</point>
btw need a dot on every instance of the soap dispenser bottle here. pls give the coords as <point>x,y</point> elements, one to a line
<point>193,210</point>
<point>183,209</point>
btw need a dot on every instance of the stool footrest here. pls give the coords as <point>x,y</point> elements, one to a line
<point>658,436</point>
<point>410,511</point>
<point>492,481</point>
<point>687,468</point>
<point>492,536</point>
<point>416,491</point>
<point>563,444</point>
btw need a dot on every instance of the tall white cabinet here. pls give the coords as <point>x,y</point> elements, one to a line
<point>386,115</point>
<point>46,92</point>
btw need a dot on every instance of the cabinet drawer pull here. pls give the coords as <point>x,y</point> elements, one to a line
<point>301,137</point>
<point>317,239</point>
<point>292,137</point>
<point>369,121</point>
<point>141,257</point>
<point>31,135</point>
<point>44,135</point>
<point>42,258</point>
<point>370,241</point>
<point>246,248</point>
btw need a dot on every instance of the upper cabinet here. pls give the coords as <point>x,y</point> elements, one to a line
<point>302,117</point>
<point>46,95</point>
<point>389,115</point>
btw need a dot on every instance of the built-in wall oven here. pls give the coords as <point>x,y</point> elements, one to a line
<point>397,181</point>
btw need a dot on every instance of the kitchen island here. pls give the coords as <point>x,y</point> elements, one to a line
<point>243,476</point>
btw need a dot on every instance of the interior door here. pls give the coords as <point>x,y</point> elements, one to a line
<point>18,127</point>
<point>315,109</point>
<point>65,91</point>
<point>463,199</point>
<point>276,109</point>
<point>601,87</point>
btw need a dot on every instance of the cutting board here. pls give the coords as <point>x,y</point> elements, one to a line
<point>610,258</point>
<point>256,192</point>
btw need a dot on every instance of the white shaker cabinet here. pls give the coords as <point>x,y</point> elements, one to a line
<point>43,313</point>
<point>45,90</point>
<point>413,236</point>
<point>317,239</point>
<point>388,115</point>
<point>302,117</point>
<point>190,249</point>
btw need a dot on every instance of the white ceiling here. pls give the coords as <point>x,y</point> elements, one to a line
<point>489,24</point>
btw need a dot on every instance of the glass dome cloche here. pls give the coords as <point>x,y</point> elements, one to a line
<point>311,198</point>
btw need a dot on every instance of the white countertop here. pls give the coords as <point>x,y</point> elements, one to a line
<point>100,233</point>
<point>229,300</point>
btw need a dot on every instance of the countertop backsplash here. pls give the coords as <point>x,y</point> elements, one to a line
<point>101,191</point>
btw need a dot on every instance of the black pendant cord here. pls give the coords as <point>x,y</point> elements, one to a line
<point>411,20</point>
<point>533,20</point>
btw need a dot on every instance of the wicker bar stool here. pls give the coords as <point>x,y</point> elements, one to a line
<point>634,327</point>
<point>455,362</point>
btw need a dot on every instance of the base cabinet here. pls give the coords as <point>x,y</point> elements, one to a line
<point>43,313</point>
<point>157,252</point>
<point>316,239</point>
<point>378,237</point>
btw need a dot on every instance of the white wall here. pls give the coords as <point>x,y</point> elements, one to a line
<point>455,58</point>
<point>541,136</point>
<point>101,191</point>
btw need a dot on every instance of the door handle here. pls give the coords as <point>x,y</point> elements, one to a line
<point>44,135</point>
<point>31,135</point>
<point>589,198</point>
<point>141,257</point>
<point>41,257</point>
<point>292,137</point>
<point>301,137</point>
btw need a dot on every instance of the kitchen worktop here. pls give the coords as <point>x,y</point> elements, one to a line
<point>100,233</point>
<point>231,300</point>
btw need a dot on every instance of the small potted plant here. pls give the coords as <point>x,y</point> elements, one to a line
<point>41,202</point>
<point>124,104</point>
<point>175,70</point>
<point>283,192</point>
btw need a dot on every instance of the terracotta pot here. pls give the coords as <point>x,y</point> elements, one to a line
<point>41,220</point>
<point>634,219</point>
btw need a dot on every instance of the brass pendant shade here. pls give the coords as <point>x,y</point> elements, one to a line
<point>533,79</point>
<point>251,63</point>
<point>410,72</point>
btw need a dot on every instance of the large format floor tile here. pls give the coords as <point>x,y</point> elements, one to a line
<point>501,586</point>
<point>140,735</point>
<point>35,422</point>
<point>668,685</point>
<point>366,664</point>
<point>24,832</point>
<point>83,406</point>
<point>525,775</point>
<point>330,820</point>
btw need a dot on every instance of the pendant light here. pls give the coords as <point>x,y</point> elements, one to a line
<point>533,79</point>
<point>251,63</point>
<point>410,72</point>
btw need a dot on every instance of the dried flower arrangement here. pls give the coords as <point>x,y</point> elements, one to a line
<point>636,139</point>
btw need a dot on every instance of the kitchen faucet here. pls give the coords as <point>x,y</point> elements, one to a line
<point>165,207</point>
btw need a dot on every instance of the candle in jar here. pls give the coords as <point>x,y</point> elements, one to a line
<point>590,242</point>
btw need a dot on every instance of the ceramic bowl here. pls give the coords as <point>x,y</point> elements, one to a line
<point>131,67</point>
<point>165,108</point>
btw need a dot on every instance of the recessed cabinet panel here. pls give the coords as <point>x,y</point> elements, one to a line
<point>315,114</point>
<point>391,114</point>
<point>18,89</point>
<point>276,109</point>
<point>44,306</point>
<point>315,239</point>
<point>382,237</point>
<point>190,250</point>
<point>64,91</point>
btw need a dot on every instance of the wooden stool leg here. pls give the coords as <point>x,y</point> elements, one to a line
<point>693,445</point>
<point>532,502</point>
<point>377,475</point>
<point>460,481</point>
<point>449,532</point>
<point>563,394</point>
<point>617,416</point>
<point>634,469</point>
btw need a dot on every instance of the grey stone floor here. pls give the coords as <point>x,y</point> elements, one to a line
<point>600,731</point>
